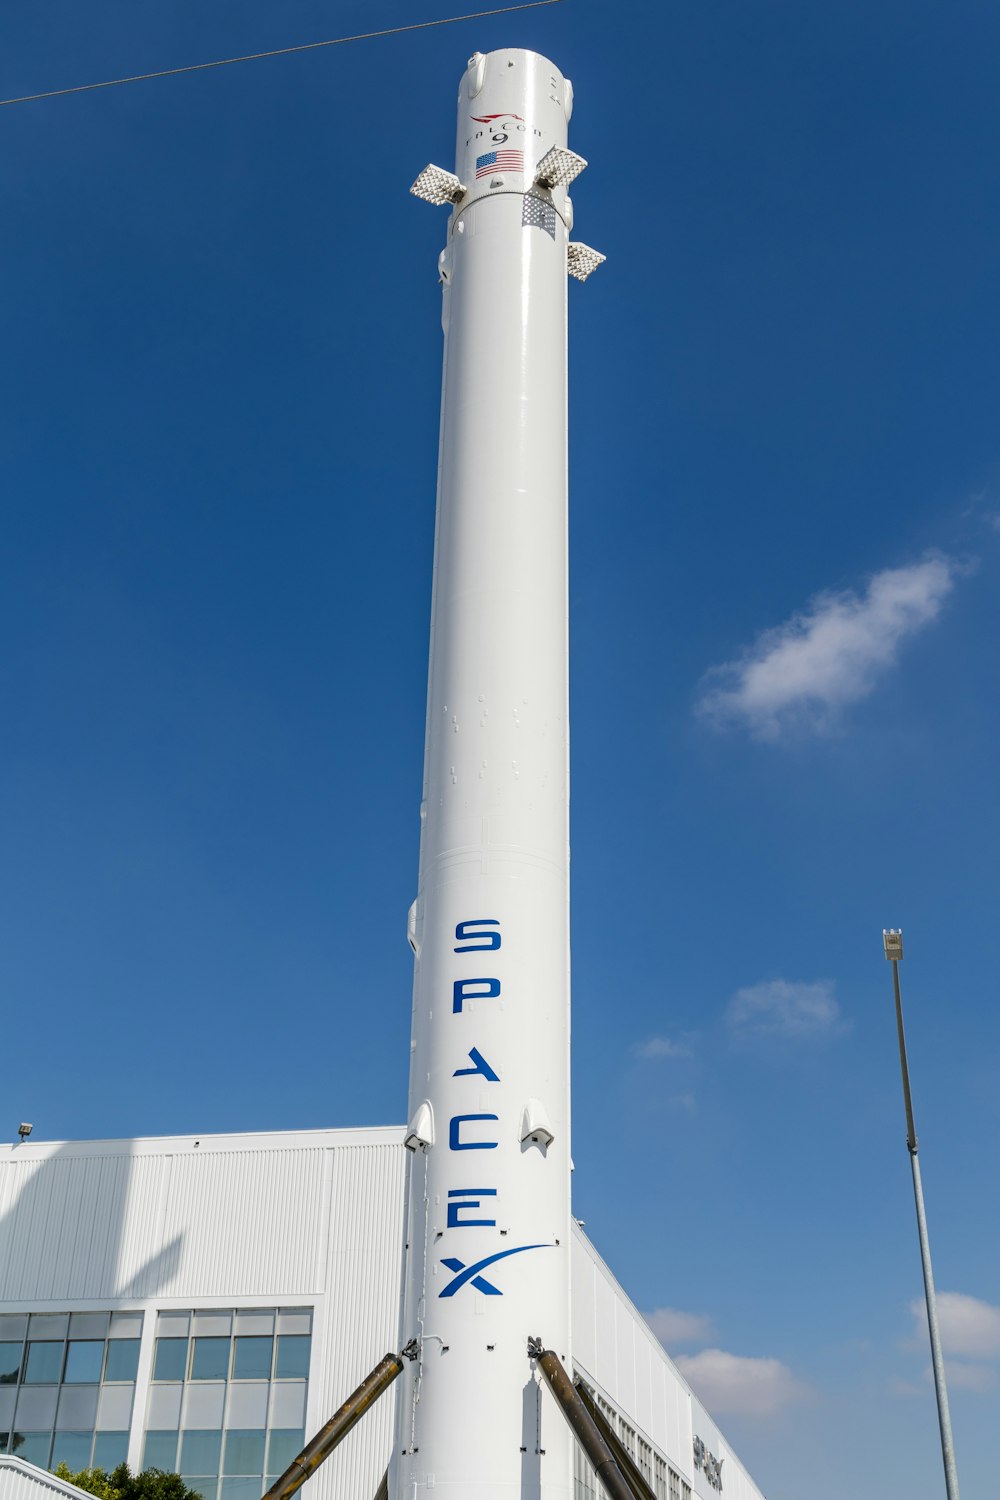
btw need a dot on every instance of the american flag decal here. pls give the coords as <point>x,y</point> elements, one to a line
<point>499,161</point>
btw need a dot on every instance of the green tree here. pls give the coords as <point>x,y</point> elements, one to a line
<point>122,1484</point>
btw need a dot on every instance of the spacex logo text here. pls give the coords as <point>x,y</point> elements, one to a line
<point>475,1207</point>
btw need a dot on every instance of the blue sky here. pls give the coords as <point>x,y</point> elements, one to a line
<point>219,423</point>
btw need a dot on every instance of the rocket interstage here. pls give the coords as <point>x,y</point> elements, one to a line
<point>488,1234</point>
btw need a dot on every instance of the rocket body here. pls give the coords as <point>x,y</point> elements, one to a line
<point>488,1243</point>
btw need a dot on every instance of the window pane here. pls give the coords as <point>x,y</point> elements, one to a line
<point>203,1404</point>
<point>200,1452</point>
<point>247,1404</point>
<point>72,1449</point>
<point>164,1407</point>
<point>160,1451</point>
<point>170,1359</point>
<point>294,1320</point>
<point>252,1359</point>
<point>253,1320</point>
<point>88,1325</point>
<point>210,1360</point>
<point>115,1410</point>
<point>78,1408</point>
<point>32,1446</point>
<point>48,1325</point>
<point>241,1489</point>
<point>213,1323</point>
<point>84,1359</point>
<point>13,1326</point>
<point>173,1324</point>
<point>206,1487</point>
<point>244,1452</point>
<point>126,1325</point>
<point>8,1396</point>
<point>36,1408</point>
<point>284,1444</point>
<point>123,1359</point>
<point>44,1363</point>
<point>293,1356</point>
<point>10,1363</point>
<point>110,1450</point>
<point>288,1403</point>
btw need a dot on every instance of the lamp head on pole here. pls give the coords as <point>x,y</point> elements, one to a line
<point>892,937</point>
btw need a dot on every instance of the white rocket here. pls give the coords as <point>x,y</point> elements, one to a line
<point>488,1237</point>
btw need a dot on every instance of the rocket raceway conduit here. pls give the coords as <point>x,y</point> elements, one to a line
<point>583,1426</point>
<point>340,1424</point>
<point>633,1475</point>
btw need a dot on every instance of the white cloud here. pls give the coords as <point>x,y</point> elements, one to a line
<point>900,1387</point>
<point>778,1008</point>
<point>968,1326</point>
<point>661,1046</point>
<point>736,1383</point>
<point>802,674</point>
<point>672,1326</point>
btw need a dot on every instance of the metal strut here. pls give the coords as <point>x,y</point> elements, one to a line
<point>633,1475</point>
<point>340,1424</point>
<point>584,1427</point>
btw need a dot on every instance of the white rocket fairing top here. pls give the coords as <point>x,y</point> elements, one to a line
<point>487,1258</point>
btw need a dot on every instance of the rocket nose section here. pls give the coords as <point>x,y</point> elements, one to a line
<point>513,108</point>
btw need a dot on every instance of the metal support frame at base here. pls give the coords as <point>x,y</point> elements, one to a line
<point>340,1424</point>
<point>633,1475</point>
<point>581,1423</point>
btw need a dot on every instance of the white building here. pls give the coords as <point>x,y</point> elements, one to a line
<point>205,1303</point>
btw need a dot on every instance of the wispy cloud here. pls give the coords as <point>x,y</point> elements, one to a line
<point>734,1383</point>
<point>673,1327</point>
<point>969,1326</point>
<point>661,1046</point>
<point>778,1008</point>
<point>800,676</point>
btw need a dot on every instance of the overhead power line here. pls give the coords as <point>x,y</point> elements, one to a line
<point>224,62</point>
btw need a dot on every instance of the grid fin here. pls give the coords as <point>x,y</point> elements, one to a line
<point>581,260</point>
<point>435,185</point>
<point>558,168</point>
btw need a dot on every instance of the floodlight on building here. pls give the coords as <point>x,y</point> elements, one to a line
<point>24,1130</point>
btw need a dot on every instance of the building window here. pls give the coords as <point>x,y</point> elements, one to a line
<point>227,1400</point>
<point>685,1491</point>
<point>67,1383</point>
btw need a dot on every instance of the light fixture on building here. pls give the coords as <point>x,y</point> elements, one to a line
<point>24,1130</point>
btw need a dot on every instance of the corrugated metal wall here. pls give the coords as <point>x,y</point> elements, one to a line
<point>21,1481</point>
<point>311,1218</point>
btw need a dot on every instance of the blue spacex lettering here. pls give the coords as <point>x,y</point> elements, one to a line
<point>479,1065</point>
<point>487,942</point>
<point>471,1273</point>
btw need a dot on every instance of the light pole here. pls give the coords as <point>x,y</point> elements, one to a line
<point>893,941</point>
